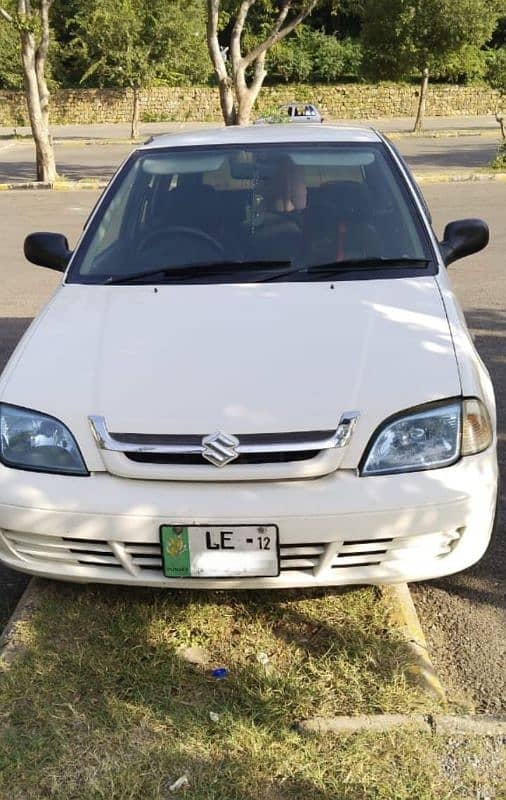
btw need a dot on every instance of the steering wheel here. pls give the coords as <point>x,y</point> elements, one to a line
<point>168,232</point>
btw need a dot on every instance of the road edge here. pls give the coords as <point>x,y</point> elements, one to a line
<point>28,603</point>
<point>442,725</point>
<point>405,618</point>
<point>86,184</point>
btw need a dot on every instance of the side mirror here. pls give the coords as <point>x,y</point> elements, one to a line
<point>462,238</point>
<point>48,250</point>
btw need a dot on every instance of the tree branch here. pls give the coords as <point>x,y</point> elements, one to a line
<point>278,31</point>
<point>213,12</point>
<point>42,49</point>
<point>259,74</point>
<point>235,36</point>
<point>5,15</point>
<point>41,56</point>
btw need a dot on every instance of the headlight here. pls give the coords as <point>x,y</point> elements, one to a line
<point>33,441</point>
<point>435,437</point>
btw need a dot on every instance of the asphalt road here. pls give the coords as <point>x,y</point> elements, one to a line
<point>464,616</point>
<point>121,130</point>
<point>95,159</point>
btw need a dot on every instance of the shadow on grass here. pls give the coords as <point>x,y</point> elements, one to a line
<point>101,684</point>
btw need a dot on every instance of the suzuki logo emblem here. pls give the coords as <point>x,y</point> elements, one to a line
<point>220,448</point>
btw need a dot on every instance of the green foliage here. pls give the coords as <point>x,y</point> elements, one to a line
<point>469,63</point>
<point>119,42</point>
<point>496,69</point>
<point>11,76</point>
<point>402,37</point>
<point>499,161</point>
<point>123,43</point>
<point>311,55</point>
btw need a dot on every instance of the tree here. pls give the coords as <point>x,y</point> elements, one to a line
<point>127,43</point>
<point>31,19</point>
<point>496,76</point>
<point>183,60</point>
<point>402,37</point>
<point>241,74</point>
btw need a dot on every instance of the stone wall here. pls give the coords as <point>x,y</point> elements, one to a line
<point>166,104</point>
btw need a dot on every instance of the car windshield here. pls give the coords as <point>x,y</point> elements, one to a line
<point>235,213</point>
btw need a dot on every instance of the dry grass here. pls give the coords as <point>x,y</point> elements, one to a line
<point>101,705</point>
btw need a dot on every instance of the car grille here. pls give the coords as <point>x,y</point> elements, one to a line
<point>137,558</point>
<point>246,458</point>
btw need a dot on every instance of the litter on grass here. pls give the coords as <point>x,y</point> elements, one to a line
<point>219,673</point>
<point>181,783</point>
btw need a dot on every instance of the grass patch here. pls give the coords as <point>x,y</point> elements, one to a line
<point>499,162</point>
<point>101,705</point>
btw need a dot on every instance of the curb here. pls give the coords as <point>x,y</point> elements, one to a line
<point>58,186</point>
<point>28,603</point>
<point>437,725</point>
<point>444,133</point>
<point>458,177</point>
<point>87,184</point>
<point>403,615</point>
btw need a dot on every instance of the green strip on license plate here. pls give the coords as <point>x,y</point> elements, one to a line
<point>175,551</point>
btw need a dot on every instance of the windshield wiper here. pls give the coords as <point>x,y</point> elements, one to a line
<point>335,268</point>
<point>202,269</point>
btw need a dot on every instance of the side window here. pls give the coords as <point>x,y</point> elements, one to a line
<point>109,230</point>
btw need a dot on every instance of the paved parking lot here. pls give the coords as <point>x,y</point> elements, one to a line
<point>94,159</point>
<point>464,616</point>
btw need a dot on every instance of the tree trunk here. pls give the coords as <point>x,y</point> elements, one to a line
<point>420,114</point>
<point>134,129</point>
<point>500,119</point>
<point>247,95</point>
<point>37,111</point>
<point>227,103</point>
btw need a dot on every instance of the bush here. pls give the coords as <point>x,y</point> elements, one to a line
<point>313,56</point>
<point>11,75</point>
<point>496,68</point>
<point>334,59</point>
<point>465,65</point>
<point>290,62</point>
<point>499,161</point>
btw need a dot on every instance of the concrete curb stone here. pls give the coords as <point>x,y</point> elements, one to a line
<point>438,724</point>
<point>404,616</point>
<point>87,184</point>
<point>29,602</point>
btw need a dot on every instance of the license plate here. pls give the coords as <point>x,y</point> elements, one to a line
<point>215,551</point>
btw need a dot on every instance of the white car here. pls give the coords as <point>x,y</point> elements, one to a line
<point>294,112</point>
<point>254,373</point>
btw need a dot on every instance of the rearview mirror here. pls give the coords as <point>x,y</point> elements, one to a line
<point>462,238</point>
<point>48,250</point>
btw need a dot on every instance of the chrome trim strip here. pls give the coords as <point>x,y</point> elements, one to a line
<point>339,438</point>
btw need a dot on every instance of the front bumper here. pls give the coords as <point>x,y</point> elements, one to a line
<point>335,530</point>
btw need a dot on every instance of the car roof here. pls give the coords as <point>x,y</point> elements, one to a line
<point>263,134</point>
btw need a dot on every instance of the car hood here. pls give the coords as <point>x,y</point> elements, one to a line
<point>255,358</point>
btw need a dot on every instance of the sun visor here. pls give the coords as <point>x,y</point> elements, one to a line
<point>182,164</point>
